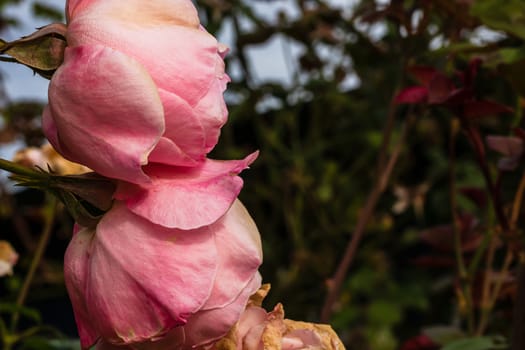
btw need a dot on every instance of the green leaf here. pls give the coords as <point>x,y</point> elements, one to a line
<point>47,12</point>
<point>508,16</point>
<point>513,72</point>
<point>29,313</point>
<point>443,334</point>
<point>65,344</point>
<point>382,312</point>
<point>477,343</point>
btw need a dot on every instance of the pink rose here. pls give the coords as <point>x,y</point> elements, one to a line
<point>134,282</point>
<point>141,82</point>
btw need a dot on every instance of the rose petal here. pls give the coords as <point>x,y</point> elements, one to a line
<point>239,255</point>
<point>190,197</point>
<point>181,12</point>
<point>104,112</point>
<point>129,299</point>
<point>184,133</point>
<point>76,272</point>
<point>212,108</point>
<point>209,325</point>
<point>153,38</point>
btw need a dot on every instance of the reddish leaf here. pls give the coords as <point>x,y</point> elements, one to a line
<point>442,237</point>
<point>519,132</point>
<point>423,74</point>
<point>459,96</point>
<point>477,141</point>
<point>476,194</point>
<point>484,108</point>
<point>421,342</point>
<point>434,261</point>
<point>439,237</point>
<point>472,71</point>
<point>439,89</point>
<point>509,146</point>
<point>412,94</point>
<point>508,163</point>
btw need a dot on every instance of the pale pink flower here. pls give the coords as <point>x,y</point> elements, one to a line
<point>8,258</point>
<point>135,283</point>
<point>261,330</point>
<point>141,82</point>
<point>46,157</point>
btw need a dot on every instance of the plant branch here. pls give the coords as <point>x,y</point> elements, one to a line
<point>49,218</point>
<point>464,276</point>
<point>367,212</point>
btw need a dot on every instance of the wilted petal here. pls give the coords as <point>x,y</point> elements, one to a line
<point>104,112</point>
<point>138,279</point>
<point>190,197</point>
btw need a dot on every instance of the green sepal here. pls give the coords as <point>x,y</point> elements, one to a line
<point>42,51</point>
<point>87,196</point>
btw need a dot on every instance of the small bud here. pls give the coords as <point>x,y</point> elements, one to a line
<point>42,51</point>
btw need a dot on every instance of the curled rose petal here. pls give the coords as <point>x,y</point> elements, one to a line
<point>190,197</point>
<point>104,112</point>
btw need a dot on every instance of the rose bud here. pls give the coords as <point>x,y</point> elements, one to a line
<point>141,83</point>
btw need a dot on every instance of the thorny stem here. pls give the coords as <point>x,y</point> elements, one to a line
<point>518,336</point>
<point>486,302</point>
<point>368,210</point>
<point>462,270</point>
<point>49,218</point>
<point>518,322</point>
<point>494,193</point>
<point>509,257</point>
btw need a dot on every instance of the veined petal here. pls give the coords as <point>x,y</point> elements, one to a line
<point>106,112</point>
<point>191,197</point>
<point>180,59</point>
<point>208,325</point>
<point>180,12</point>
<point>140,280</point>
<point>76,272</point>
<point>183,129</point>
<point>212,107</point>
<point>239,254</point>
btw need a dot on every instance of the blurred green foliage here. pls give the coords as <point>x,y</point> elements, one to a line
<point>321,135</point>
